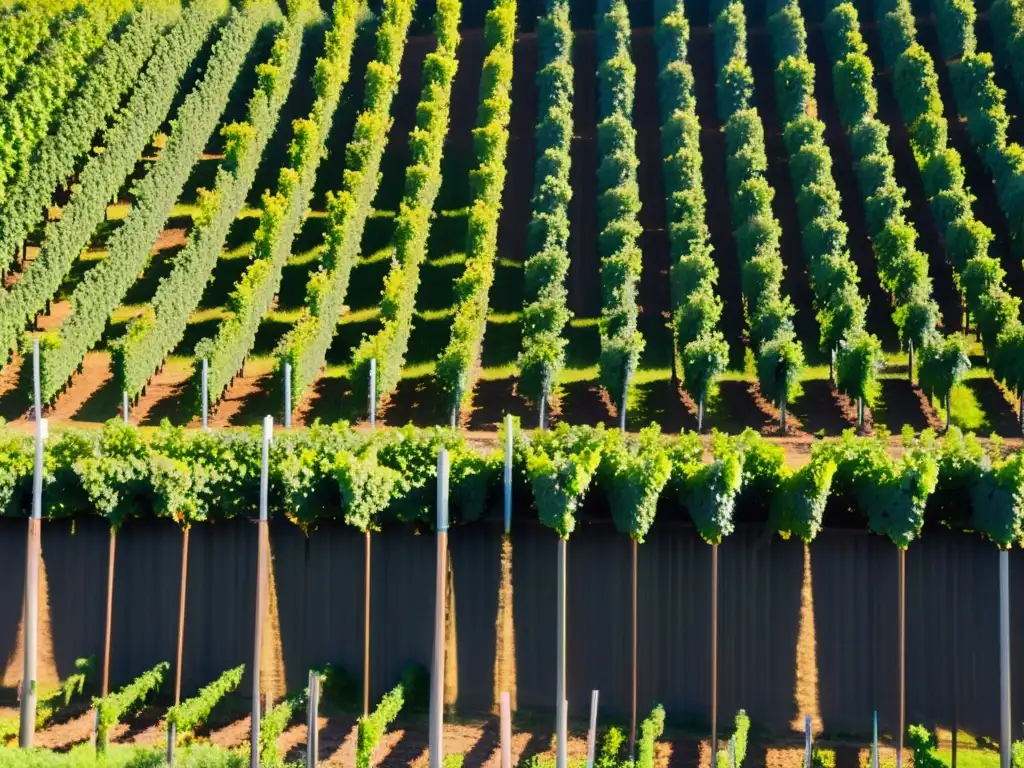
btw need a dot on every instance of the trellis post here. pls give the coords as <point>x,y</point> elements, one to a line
<point>367,537</point>
<point>1004,659</point>
<point>437,673</point>
<point>27,726</point>
<point>312,721</point>
<point>287,395</point>
<point>561,707</point>
<point>263,541</point>
<point>592,731</point>
<point>206,394</point>
<point>505,711</point>
<point>508,474</point>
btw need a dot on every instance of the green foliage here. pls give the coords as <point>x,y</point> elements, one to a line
<point>53,161</point>
<point>412,225</point>
<point>779,365</point>
<point>634,472</point>
<point>282,212</point>
<point>922,743</point>
<point>459,363</point>
<point>650,731</point>
<point>560,465</point>
<point>708,491</point>
<point>798,506</point>
<point>305,346</point>
<point>273,724</point>
<point>618,202</point>
<point>154,335</point>
<point>371,728</point>
<point>739,738</point>
<point>105,173</point>
<point>609,749</point>
<point>191,713</point>
<point>943,365</point>
<point>859,362</point>
<point>103,287</point>
<point>112,707</point>
<point>366,486</point>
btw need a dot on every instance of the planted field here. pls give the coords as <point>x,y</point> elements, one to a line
<point>799,209</point>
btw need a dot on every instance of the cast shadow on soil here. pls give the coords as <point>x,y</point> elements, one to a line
<point>485,746</point>
<point>1002,420</point>
<point>817,409</point>
<point>493,399</point>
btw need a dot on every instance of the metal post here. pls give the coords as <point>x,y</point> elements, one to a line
<point>592,731</point>
<point>622,410</point>
<point>561,717</point>
<point>206,394</point>
<point>732,752</point>
<point>632,720</point>
<point>1004,658</point>
<point>124,406</point>
<point>874,742</point>
<point>714,654</point>
<point>313,722</point>
<point>437,673</point>
<point>287,395</point>
<point>541,417</point>
<point>903,654</point>
<point>261,591</point>
<point>505,710</point>
<point>30,625</point>
<point>366,624</point>
<point>508,473</point>
<point>807,741</point>
<point>372,405</point>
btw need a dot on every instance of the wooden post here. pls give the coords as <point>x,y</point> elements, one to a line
<point>206,394</point>
<point>313,722</point>
<point>714,654</point>
<point>437,673</point>
<point>505,710</point>
<point>903,654</point>
<point>592,731</point>
<point>561,715</point>
<point>30,626</point>
<point>1004,658</point>
<point>287,395</point>
<point>632,719</point>
<point>263,542</point>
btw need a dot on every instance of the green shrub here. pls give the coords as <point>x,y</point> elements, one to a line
<point>112,707</point>
<point>372,727</point>
<point>191,713</point>
<point>650,731</point>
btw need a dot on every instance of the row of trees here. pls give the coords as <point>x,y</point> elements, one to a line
<point>459,363</point>
<point>99,95</point>
<point>152,336</point>
<point>48,82</point>
<point>305,346</point>
<point>618,203</point>
<point>841,309</point>
<point>1006,18</point>
<point>415,213</point>
<point>545,301</point>
<point>780,357</point>
<point>105,173</point>
<point>128,251</point>
<point>283,212</point>
<point>700,348</point>
<point>371,479</point>
<point>966,239</point>
<point>902,266</point>
<point>20,35</point>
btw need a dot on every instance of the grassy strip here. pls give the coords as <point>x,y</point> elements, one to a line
<point>306,345</point>
<point>459,363</point>
<point>105,173</point>
<point>412,225</point>
<point>282,212</point>
<point>54,160</point>
<point>154,335</point>
<point>128,251</point>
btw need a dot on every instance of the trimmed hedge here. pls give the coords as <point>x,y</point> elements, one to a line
<point>282,214</point>
<point>415,214</point>
<point>545,301</point>
<point>306,345</point>
<point>191,713</point>
<point>128,250</point>
<point>371,728</point>
<point>458,366</point>
<point>104,174</point>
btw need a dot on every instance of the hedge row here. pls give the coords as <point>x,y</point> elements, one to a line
<point>415,213</point>
<point>105,173</point>
<point>1006,18</point>
<point>756,231</point>
<point>54,160</point>
<point>195,475</point>
<point>306,345</point>
<point>21,33</point>
<point>458,365</point>
<point>545,301</point>
<point>129,249</point>
<point>48,82</point>
<point>700,348</point>
<point>841,309</point>
<point>191,713</point>
<point>966,238</point>
<point>618,202</point>
<point>282,213</point>
<point>902,267</point>
<point>154,334</point>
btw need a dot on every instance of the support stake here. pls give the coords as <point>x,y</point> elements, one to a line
<point>808,744</point>
<point>714,653</point>
<point>505,709</point>
<point>124,406</point>
<point>508,473</point>
<point>372,405</point>
<point>592,731</point>
<point>287,395</point>
<point>172,731</point>
<point>206,394</point>
<point>561,716</point>
<point>1004,658</point>
<point>313,721</point>
<point>903,655</point>
<point>632,720</point>
<point>437,673</point>
<point>263,542</point>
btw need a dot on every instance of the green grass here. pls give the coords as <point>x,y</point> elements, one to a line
<point>969,758</point>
